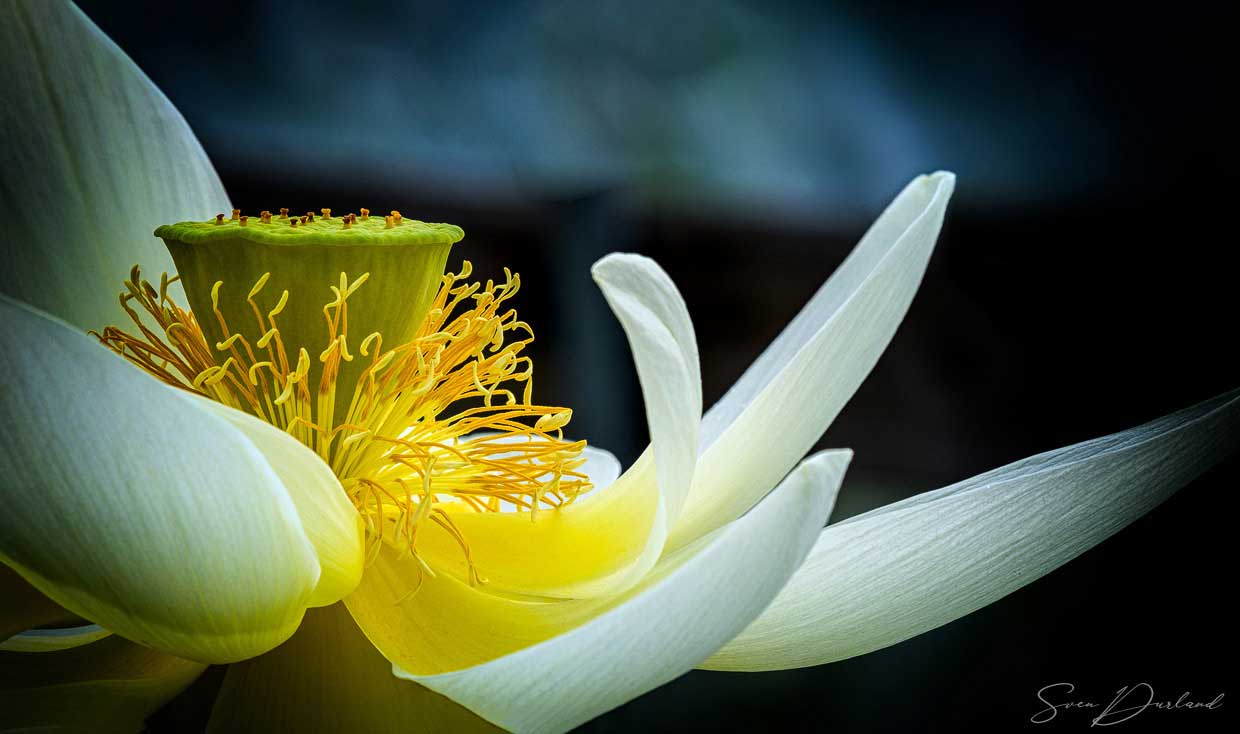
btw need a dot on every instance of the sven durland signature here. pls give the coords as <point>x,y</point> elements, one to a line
<point>1127,703</point>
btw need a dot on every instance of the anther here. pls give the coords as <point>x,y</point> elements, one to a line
<point>388,222</point>
<point>219,218</point>
<point>244,220</point>
<point>265,216</point>
<point>396,216</point>
<point>309,216</point>
<point>293,222</point>
<point>236,214</point>
<point>347,223</point>
<point>258,285</point>
<point>284,212</point>
<point>365,213</point>
<point>327,213</point>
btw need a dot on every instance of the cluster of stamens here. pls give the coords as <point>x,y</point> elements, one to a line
<point>434,425</point>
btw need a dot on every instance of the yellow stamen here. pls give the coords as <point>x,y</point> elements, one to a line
<point>431,423</point>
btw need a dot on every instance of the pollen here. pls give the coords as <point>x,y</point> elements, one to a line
<point>440,424</point>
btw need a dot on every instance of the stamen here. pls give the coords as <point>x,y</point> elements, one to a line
<point>432,422</point>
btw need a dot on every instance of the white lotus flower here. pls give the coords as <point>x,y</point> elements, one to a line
<point>197,532</point>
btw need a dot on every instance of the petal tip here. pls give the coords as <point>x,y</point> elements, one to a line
<point>609,263</point>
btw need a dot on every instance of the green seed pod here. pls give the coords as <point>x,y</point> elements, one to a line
<point>255,261</point>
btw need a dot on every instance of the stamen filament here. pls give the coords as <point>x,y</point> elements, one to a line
<point>432,421</point>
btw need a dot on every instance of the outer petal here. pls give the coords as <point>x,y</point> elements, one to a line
<point>607,541</point>
<point>328,678</point>
<point>893,573</point>
<point>106,686</point>
<point>787,398</point>
<point>54,639</point>
<point>328,518</point>
<point>25,607</point>
<point>683,610</point>
<point>95,158</point>
<point>129,505</point>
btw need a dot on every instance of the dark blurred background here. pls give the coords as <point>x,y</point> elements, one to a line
<point>1085,280</point>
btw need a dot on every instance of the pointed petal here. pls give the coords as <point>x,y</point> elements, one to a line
<point>107,686</point>
<point>601,652</point>
<point>95,158</point>
<point>327,516</point>
<point>328,678</point>
<point>132,507</point>
<point>605,542</point>
<point>885,576</point>
<point>787,398</point>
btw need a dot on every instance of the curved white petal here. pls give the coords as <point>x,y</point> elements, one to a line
<point>789,396</point>
<point>95,158</point>
<point>53,639</point>
<point>130,506</point>
<point>328,518</point>
<point>660,333</point>
<point>885,576</point>
<point>679,614</point>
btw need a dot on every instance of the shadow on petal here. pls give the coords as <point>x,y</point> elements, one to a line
<point>328,678</point>
<point>107,686</point>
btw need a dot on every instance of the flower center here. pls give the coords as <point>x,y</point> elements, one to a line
<point>417,427</point>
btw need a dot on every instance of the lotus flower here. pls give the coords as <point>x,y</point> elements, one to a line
<point>188,517</point>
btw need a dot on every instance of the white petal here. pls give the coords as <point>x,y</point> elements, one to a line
<point>54,639</point>
<point>789,396</point>
<point>95,158</point>
<point>660,334</point>
<point>885,576</point>
<point>328,518</point>
<point>132,507</point>
<point>679,614</point>
<point>602,467</point>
